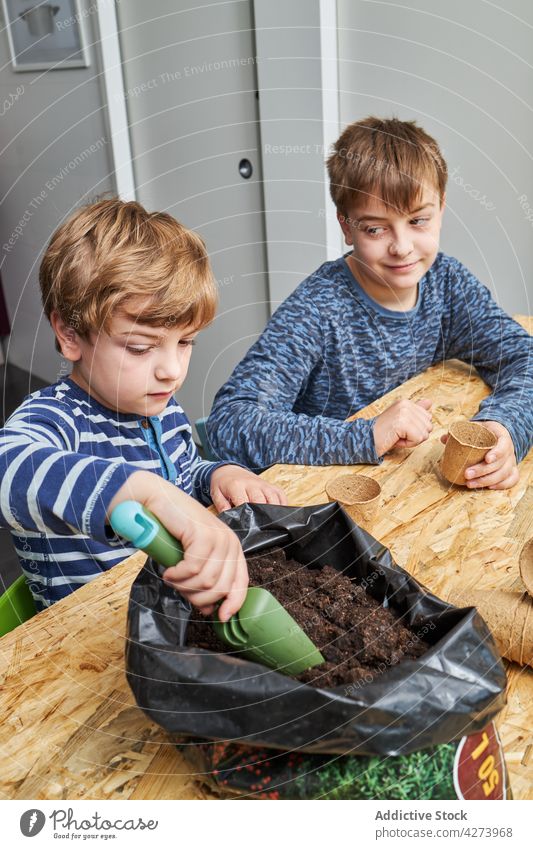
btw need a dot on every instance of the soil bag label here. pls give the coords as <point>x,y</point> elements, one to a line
<point>479,769</point>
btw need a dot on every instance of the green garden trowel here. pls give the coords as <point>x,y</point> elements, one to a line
<point>262,630</point>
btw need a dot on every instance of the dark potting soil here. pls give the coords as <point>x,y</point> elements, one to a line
<point>358,637</point>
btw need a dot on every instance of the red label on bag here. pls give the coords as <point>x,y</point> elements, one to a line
<point>479,767</point>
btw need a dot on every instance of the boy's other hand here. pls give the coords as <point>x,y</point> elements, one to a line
<point>498,469</point>
<point>403,425</point>
<point>233,485</point>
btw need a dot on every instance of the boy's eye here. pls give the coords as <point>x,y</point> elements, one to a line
<point>137,350</point>
<point>374,231</point>
<point>187,342</point>
<point>419,222</point>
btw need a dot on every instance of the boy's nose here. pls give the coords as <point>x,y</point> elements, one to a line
<point>401,246</point>
<point>168,368</point>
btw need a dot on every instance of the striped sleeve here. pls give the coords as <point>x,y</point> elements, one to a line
<point>47,486</point>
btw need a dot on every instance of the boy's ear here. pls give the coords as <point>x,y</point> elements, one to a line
<point>345,227</point>
<point>67,337</point>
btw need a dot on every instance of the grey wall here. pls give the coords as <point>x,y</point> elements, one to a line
<point>54,154</point>
<point>293,140</point>
<point>465,72</point>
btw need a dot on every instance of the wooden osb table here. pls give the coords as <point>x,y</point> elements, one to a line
<point>69,726</point>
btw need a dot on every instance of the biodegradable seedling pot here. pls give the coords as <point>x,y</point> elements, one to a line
<point>467,444</point>
<point>526,565</point>
<point>509,616</point>
<point>358,494</point>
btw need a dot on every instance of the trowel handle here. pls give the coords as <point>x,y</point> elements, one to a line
<point>134,522</point>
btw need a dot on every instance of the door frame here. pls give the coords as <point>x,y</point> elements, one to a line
<point>115,99</point>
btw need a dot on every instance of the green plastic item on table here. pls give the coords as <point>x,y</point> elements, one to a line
<point>262,630</point>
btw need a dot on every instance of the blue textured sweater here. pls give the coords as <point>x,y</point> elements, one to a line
<point>63,456</point>
<point>330,350</point>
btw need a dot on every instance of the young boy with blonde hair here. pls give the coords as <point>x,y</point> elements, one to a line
<point>362,325</point>
<point>126,293</point>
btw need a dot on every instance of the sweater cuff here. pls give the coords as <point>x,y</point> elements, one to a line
<point>362,444</point>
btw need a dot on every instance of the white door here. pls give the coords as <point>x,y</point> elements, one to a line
<point>190,81</point>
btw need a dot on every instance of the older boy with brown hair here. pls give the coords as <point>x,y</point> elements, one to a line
<point>126,293</point>
<point>367,322</point>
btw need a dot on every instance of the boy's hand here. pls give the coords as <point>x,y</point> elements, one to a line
<point>233,485</point>
<point>213,567</point>
<point>498,469</point>
<point>403,425</point>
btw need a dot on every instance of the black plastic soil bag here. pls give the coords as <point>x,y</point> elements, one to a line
<point>452,690</point>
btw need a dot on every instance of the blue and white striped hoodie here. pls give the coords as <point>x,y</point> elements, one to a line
<point>63,456</point>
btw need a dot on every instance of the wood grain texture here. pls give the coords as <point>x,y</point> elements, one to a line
<point>69,726</point>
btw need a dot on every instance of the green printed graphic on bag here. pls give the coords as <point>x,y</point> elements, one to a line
<point>472,769</point>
